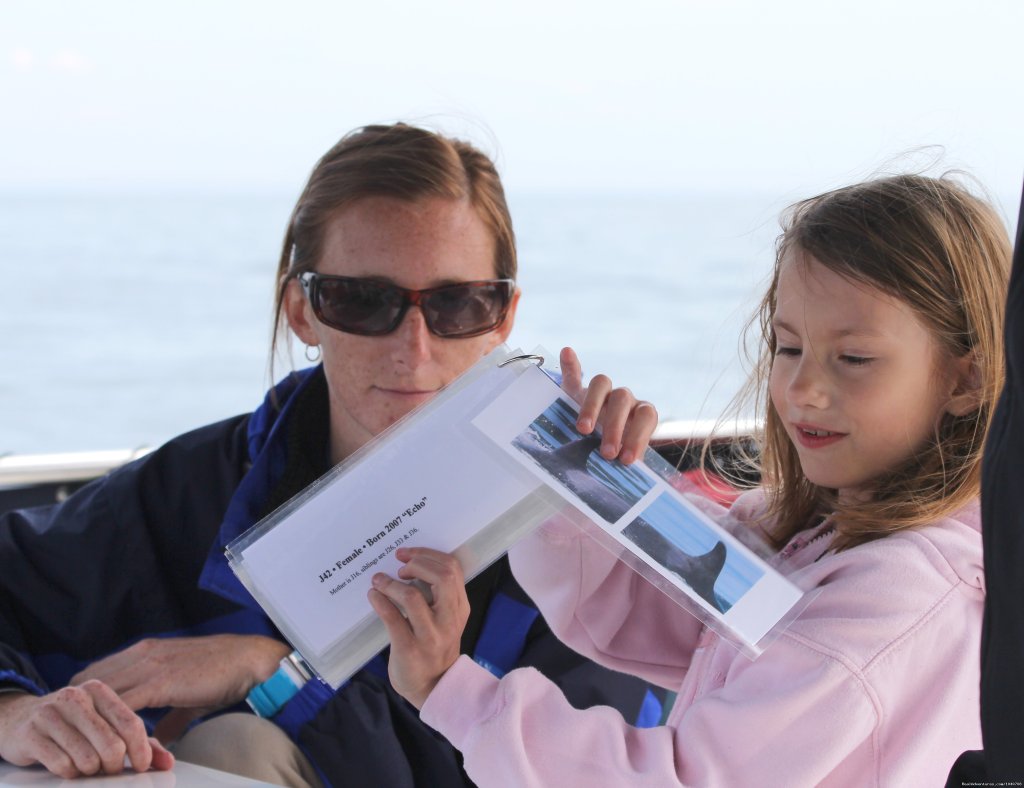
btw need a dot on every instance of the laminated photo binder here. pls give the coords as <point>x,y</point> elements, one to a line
<point>488,459</point>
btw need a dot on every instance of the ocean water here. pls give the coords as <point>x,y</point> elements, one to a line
<point>129,318</point>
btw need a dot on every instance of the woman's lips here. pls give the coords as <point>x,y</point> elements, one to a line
<point>816,437</point>
<point>409,393</point>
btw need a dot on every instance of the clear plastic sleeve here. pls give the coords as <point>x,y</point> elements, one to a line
<point>471,472</point>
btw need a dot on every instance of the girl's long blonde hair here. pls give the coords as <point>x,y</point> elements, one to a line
<point>946,254</point>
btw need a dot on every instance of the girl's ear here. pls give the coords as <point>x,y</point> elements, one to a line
<point>966,394</point>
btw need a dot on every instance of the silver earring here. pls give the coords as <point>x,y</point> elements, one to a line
<point>312,353</point>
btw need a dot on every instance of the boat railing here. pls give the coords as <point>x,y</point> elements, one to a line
<point>32,479</point>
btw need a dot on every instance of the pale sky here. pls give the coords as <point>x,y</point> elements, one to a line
<point>766,102</point>
<point>647,95</point>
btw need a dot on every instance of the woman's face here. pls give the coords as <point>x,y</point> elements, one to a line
<point>375,380</point>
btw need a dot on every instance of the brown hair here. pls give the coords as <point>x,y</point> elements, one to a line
<point>946,254</point>
<point>400,161</point>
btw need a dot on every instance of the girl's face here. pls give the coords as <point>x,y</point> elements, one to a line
<point>857,380</point>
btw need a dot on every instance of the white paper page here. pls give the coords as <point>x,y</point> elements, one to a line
<point>533,421</point>
<point>434,486</point>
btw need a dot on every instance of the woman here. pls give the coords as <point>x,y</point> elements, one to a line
<point>397,270</point>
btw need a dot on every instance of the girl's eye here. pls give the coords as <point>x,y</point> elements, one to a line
<point>856,361</point>
<point>787,351</point>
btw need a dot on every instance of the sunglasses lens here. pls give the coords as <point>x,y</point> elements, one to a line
<point>466,310</point>
<point>359,306</point>
<point>362,306</point>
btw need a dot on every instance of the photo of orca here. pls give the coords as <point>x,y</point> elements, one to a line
<point>694,550</point>
<point>699,572</point>
<point>675,540</point>
<point>609,488</point>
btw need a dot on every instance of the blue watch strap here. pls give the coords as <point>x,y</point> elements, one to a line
<point>266,699</point>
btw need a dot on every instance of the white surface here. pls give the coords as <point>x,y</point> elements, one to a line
<point>184,775</point>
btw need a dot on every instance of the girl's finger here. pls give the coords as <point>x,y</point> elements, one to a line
<point>396,624</point>
<point>572,373</point>
<point>433,568</point>
<point>446,598</point>
<point>617,410</point>
<point>406,554</point>
<point>638,431</point>
<point>592,403</point>
<point>409,600</point>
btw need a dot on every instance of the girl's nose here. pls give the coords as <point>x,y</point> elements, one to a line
<point>809,385</point>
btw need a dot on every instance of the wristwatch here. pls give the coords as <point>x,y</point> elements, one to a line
<point>292,673</point>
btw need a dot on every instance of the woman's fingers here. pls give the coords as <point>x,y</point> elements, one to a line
<point>127,725</point>
<point>66,751</point>
<point>163,759</point>
<point>78,731</point>
<point>111,729</point>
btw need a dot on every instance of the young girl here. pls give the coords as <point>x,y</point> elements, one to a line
<point>881,360</point>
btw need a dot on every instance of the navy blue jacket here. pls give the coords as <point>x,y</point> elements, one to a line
<point>139,553</point>
<point>1002,533</point>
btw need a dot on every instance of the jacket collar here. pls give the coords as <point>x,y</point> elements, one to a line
<point>268,455</point>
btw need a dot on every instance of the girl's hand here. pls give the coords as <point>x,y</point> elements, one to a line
<point>425,640</point>
<point>626,422</point>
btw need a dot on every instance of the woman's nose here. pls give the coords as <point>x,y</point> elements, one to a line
<point>411,340</point>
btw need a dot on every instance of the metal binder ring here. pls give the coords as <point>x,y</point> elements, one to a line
<point>539,360</point>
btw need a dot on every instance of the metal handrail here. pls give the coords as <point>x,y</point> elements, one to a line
<point>682,430</point>
<point>22,470</point>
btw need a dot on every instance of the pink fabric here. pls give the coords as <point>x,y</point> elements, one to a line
<point>876,683</point>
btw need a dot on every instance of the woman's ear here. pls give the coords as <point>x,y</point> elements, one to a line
<point>299,313</point>
<point>966,394</point>
<point>500,334</point>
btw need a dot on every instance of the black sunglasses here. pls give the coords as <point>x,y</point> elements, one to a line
<point>372,308</point>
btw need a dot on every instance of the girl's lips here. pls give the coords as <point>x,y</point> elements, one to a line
<point>816,437</point>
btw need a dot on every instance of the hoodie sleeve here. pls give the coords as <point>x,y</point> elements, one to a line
<point>520,731</point>
<point>833,701</point>
<point>601,608</point>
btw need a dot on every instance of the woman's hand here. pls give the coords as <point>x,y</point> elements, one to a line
<point>425,640</point>
<point>77,731</point>
<point>193,675</point>
<point>207,672</point>
<point>626,422</point>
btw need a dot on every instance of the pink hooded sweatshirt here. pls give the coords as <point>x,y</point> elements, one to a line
<point>876,683</point>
